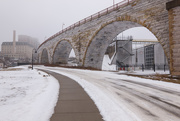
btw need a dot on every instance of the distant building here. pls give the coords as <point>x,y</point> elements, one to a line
<point>30,40</point>
<point>1,55</point>
<point>20,50</point>
<point>23,50</point>
<point>120,52</point>
<point>150,56</point>
<point>138,56</point>
<point>1,63</point>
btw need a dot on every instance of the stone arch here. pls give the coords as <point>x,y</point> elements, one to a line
<point>61,52</point>
<point>44,57</point>
<point>107,32</point>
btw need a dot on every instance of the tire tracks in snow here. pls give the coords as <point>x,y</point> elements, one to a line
<point>164,105</point>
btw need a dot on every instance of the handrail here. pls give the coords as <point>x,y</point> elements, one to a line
<point>92,17</point>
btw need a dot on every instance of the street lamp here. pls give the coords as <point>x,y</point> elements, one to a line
<point>62,26</point>
<point>35,51</point>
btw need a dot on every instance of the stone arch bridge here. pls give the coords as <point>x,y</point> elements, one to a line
<point>91,36</point>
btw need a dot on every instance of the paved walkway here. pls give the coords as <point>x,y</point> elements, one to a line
<point>73,103</point>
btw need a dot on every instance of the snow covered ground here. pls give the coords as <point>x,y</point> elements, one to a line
<point>27,95</point>
<point>146,72</point>
<point>106,64</point>
<point>124,98</point>
<point>30,95</point>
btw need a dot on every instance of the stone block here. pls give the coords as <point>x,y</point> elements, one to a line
<point>151,14</point>
<point>172,4</point>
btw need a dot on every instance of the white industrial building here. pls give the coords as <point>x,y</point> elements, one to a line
<point>147,54</point>
<point>150,56</point>
<point>20,50</point>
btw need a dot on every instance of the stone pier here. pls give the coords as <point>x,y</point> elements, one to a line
<point>173,8</point>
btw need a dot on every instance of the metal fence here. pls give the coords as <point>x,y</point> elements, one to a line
<point>143,67</point>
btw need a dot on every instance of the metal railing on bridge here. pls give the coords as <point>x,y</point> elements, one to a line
<point>92,17</point>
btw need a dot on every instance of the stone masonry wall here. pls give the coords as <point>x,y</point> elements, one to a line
<point>174,28</point>
<point>89,39</point>
<point>147,13</point>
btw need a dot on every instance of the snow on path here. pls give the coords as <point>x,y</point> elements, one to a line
<point>27,95</point>
<point>109,109</point>
<point>126,98</point>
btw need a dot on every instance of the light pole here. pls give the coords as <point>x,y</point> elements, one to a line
<point>62,26</point>
<point>35,51</point>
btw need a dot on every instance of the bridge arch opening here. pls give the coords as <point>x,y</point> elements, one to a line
<point>64,54</point>
<point>44,57</point>
<point>104,37</point>
<point>131,49</point>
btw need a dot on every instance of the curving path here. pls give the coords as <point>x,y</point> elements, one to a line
<point>148,100</point>
<point>73,103</point>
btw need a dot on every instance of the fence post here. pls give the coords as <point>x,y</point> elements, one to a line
<point>142,67</point>
<point>127,67</point>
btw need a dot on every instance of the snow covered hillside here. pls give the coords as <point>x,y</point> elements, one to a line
<point>27,95</point>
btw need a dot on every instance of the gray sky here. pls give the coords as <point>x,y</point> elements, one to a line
<point>43,18</point>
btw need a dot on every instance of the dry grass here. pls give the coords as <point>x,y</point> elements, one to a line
<point>11,69</point>
<point>160,77</point>
<point>74,67</point>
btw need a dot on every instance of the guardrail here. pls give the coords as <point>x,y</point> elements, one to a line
<point>92,17</point>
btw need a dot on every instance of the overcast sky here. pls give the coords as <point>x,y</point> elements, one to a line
<point>43,18</point>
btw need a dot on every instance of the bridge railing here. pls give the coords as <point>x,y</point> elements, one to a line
<point>92,17</point>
